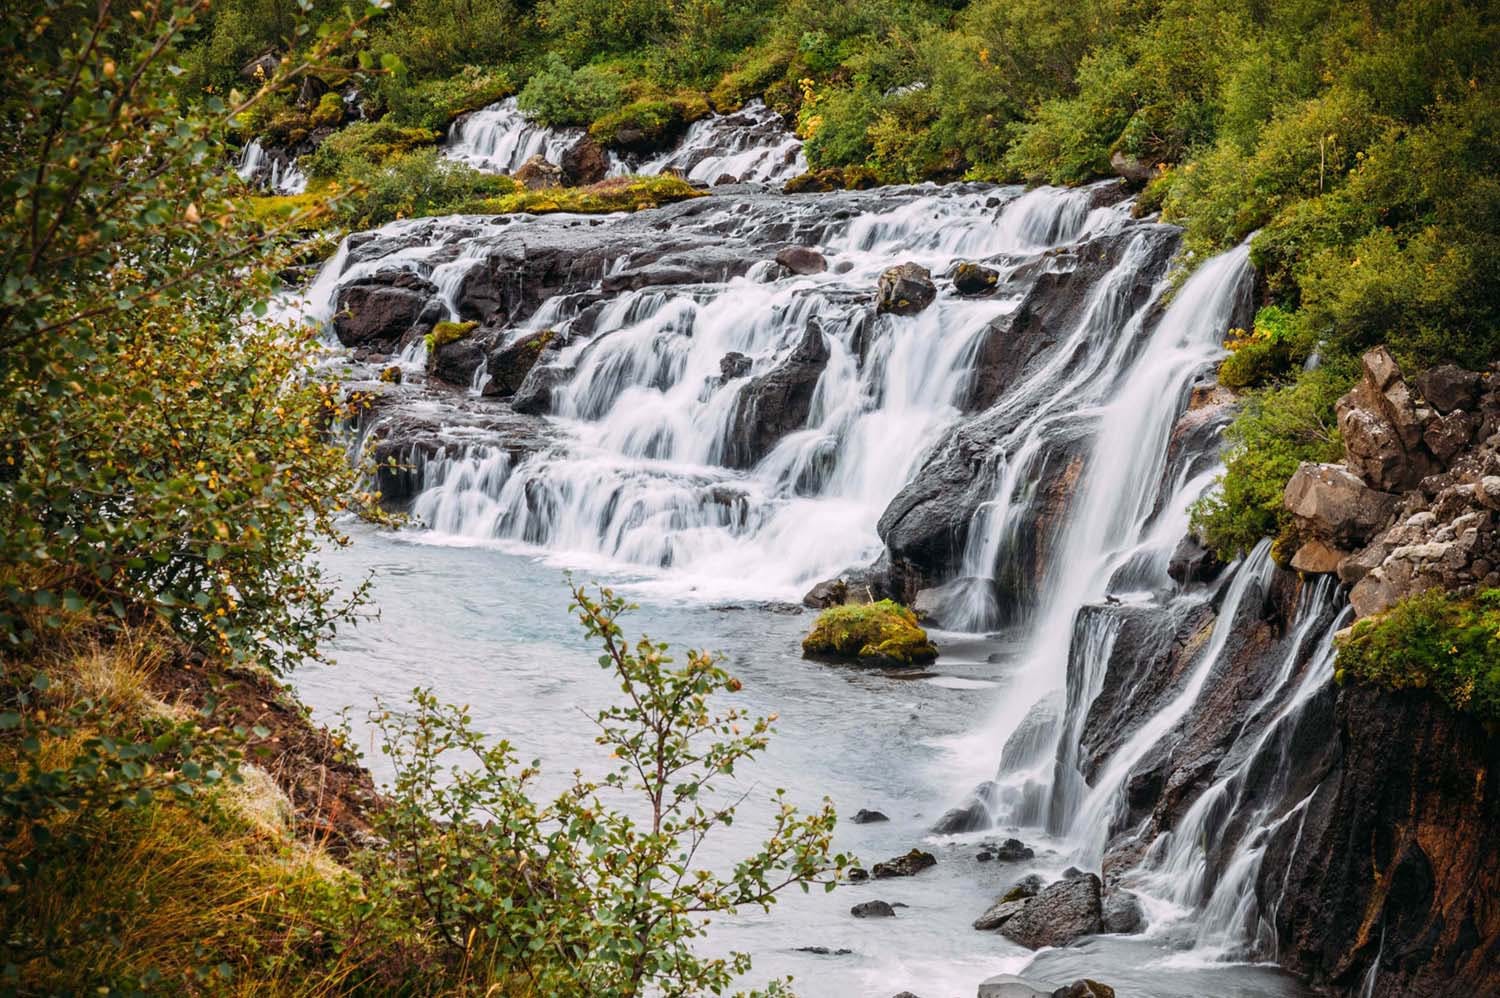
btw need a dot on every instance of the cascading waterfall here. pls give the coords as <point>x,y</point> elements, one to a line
<point>274,173</point>
<point>648,478</point>
<point>500,139</point>
<point>751,145</point>
<point>651,472</point>
<point>1112,518</point>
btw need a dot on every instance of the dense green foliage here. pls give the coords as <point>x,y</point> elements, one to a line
<point>1433,641</point>
<point>882,633</point>
<point>1277,430</point>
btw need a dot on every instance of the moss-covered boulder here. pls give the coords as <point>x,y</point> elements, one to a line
<point>445,333</point>
<point>883,633</point>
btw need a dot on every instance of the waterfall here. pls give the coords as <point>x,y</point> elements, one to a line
<point>500,139</point>
<point>656,476</point>
<point>273,172</point>
<point>751,146</point>
<point>1134,401</point>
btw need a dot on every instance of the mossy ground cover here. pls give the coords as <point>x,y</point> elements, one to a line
<point>881,633</point>
<point>1448,644</point>
<point>614,194</point>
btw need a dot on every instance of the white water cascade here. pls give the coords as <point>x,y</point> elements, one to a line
<point>751,145</point>
<point>275,173</point>
<point>500,139</point>
<point>1111,531</point>
<point>652,477</point>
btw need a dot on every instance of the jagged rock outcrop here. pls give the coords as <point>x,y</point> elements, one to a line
<point>509,366</point>
<point>1397,856</point>
<point>1412,506</point>
<point>383,310</point>
<point>778,402</point>
<point>583,163</point>
<point>538,173</point>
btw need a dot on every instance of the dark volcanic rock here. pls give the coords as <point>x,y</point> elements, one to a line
<point>974,279</point>
<point>1064,912</point>
<point>405,426</point>
<point>999,913</point>
<point>1085,988</point>
<point>777,402</point>
<point>534,396</point>
<point>1122,913</point>
<point>865,816</point>
<point>972,816</point>
<point>510,365</point>
<point>583,163</point>
<point>734,365</point>
<point>1398,855</point>
<point>380,311</point>
<point>872,909</point>
<point>456,361</point>
<point>1192,562</point>
<point>909,865</point>
<point>905,290</point>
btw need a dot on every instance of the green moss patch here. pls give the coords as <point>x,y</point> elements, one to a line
<point>884,632</point>
<point>649,124</point>
<point>1432,641</point>
<point>614,194</point>
<point>449,332</point>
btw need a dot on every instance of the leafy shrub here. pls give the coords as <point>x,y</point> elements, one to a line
<point>414,184</point>
<point>433,104</point>
<point>351,151</point>
<point>836,125</point>
<point>882,632</point>
<point>575,896</point>
<point>558,96</point>
<point>1435,641</point>
<point>650,123</point>
<point>1267,352</point>
<point>1276,431</point>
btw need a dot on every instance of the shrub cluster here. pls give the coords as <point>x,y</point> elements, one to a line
<point>1436,641</point>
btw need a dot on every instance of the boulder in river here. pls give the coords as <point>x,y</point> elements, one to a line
<point>864,816</point>
<point>873,909</point>
<point>1059,915</point>
<point>974,279</point>
<point>1085,988</point>
<point>908,865</point>
<point>883,633</point>
<point>905,290</point>
<point>1122,913</point>
<point>537,174</point>
<point>802,260</point>
<point>999,913</point>
<point>973,815</point>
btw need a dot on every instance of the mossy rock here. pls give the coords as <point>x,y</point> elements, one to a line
<point>879,633</point>
<point>649,125</point>
<point>449,332</point>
